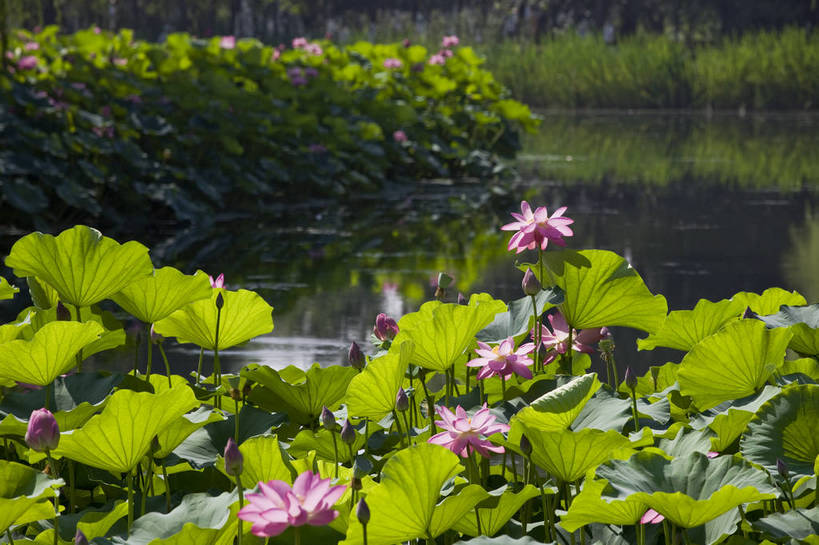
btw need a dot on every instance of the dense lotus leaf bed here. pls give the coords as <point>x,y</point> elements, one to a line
<point>220,125</point>
<point>719,446</point>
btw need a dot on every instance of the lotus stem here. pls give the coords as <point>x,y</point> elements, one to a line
<point>634,410</point>
<point>71,487</point>
<point>503,387</point>
<point>217,367</point>
<point>54,473</point>
<point>478,520</point>
<point>79,353</point>
<point>167,364</point>
<point>335,449</point>
<point>407,427</point>
<point>236,420</point>
<point>431,407</point>
<point>144,489</point>
<point>537,333</point>
<point>11,539</point>
<point>296,535</point>
<point>150,352</point>
<point>366,435</point>
<point>744,521</point>
<point>364,532</point>
<point>167,488</point>
<point>667,532</point>
<point>240,528</point>
<point>199,366</point>
<point>130,501</point>
<point>48,388</point>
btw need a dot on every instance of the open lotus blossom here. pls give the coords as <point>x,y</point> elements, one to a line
<point>218,282</point>
<point>462,431</point>
<point>503,360</point>
<point>385,328</point>
<point>27,62</point>
<point>536,229</point>
<point>399,136</point>
<point>437,59</point>
<point>227,42</point>
<point>277,506</point>
<point>558,337</point>
<point>450,41</point>
<point>392,63</point>
<point>652,517</point>
<point>314,49</point>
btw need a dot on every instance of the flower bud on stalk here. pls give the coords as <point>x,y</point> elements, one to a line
<point>530,284</point>
<point>362,512</point>
<point>630,379</point>
<point>234,461</point>
<point>43,433</point>
<point>356,357</point>
<point>782,468</point>
<point>63,314</point>
<point>525,445</point>
<point>462,299</point>
<point>220,301</point>
<point>328,419</point>
<point>385,328</point>
<point>348,433</point>
<point>401,400</point>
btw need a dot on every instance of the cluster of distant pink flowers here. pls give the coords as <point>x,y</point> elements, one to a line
<point>446,52</point>
<point>227,42</point>
<point>399,136</point>
<point>314,48</point>
<point>393,63</point>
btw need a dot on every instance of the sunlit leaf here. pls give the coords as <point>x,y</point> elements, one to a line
<point>7,291</point>
<point>42,295</point>
<point>603,290</point>
<point>157,296</point>
<point>456,508</point>
<point>244,315</point>
<point>21,487</point>
<point>785,428</point>
<point>519,318</point>
<point>682,329</point>
<point>442,332</point>
<point>81,264</point>
<point>733,363</point>
<point>118,438</point>
<point>803,322</point>
<point>588,507</point>
<point>173,435</point>
<point>371,393</point>
<point>769,300</point>
<point>689,490</point>
<point>198,520</point>
<point>264,460</point>
<point>402,505</point>
<point>49,353</point>
<point>304,398</point>
<point>496,511</point>
<point>556,410</point>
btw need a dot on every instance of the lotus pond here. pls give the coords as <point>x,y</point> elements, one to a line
<point>472,421</point>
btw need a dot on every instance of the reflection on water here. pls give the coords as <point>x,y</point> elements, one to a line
<point>722,205</point>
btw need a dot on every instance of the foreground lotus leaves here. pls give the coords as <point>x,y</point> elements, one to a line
<point>603,290</point>
<point>796,524</point>
<point>7,291</point>
<point>157,296</point>
<point>118,438</point>
<point>769,301</point>
<point>682,329</point>
<point>264,461</point>
<point>786,427</point>
<point>244,315</point>
<point>517,321</point>
<point>48,354</point>
<point>803,322</point>
<point>589,507</point>
<point>404,502</point>
<point>496,510</point>
<point>83,266</point>
<point>556,410</point>
<point>733,363</point>
<point>371,393</point>
<point>442,332</point>
<point>689,491</point>
<point>21,488</point>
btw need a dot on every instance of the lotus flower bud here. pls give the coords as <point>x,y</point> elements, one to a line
<point>348,432</point>
<point>461,299</point>
<point>401,401</point>
<point>530,284</point>
<point>385,328</point>
<point>246,388</point>
<point>356,356</point>
<point>63,314</point>
<point>356,484</point>
<point>234,461</point>
<point>782,468</point>
<point>43,433</point>
<point>328,420</point>
<point>630,379</point>
<point>525,445</point>
<point>362,512</point>
<point>156,337</point>
<point>79,538</point>
<point>235,394</point>
<point>220,301</point>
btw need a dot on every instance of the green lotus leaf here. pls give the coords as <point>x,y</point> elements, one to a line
<point>603,290</point>
<point>95,522</point>
<point>21,488</point>
<point>807,366</point>
<point>503,540</point>
<point>456,508</point>
<point>556,410</point>
<point>658,379</point>
<point>733,363</point>
<point>728,420</point>
<point>264,460</point>
<point>769,301</point>
<point>496,510</point>
<point>173,435</point>
<point>7,291</point>
<point>403,504</point>
<point>686,441</point>
<point>442,332</point>
<point>42,295</point>
<point>157,296</point>
<point>119,437</point>
<point>682,329</point>
<point>689,490</point>
<point>785,428</point>
<point>302,400</point>
<point>605,411</point>
<point>796,524</point>
<point>199,519</point>
<point>803,323</point>
<point>588,507</point>
<point>83,266</point>
<point>566,454</point>
<point>112,337</point>
<point>244,315</point>
<point>518,320</point>
<point>16,330</point>
<point>371,393</point>
<point>48,354</point>
<point>321,442</point>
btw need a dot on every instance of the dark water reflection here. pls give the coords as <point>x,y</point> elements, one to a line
<point>694,232</point>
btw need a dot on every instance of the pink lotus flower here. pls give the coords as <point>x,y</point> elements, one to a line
<point>536,229</point>
<point>276,55</point>
<point>97,29</point>
<point>227,42</point>
<point>437,59</point>
<point>446,53</point>
<point>31,46</point>
<point>393,63</point>
<point>42,433</point>
<point>314,49</point>
<point>399,136</point>
<point>503,360</point>
<point>218,282</point>
<point>558,337</point>
<point>27,62</point>
<point>385,328</point>
<point>277,506</point>
<point>463,431</point>
<point>450,41</point>
<point>299,43</point>
<point>652,517</point>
